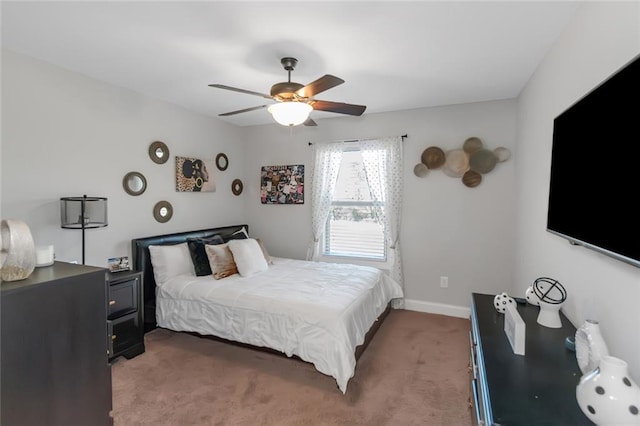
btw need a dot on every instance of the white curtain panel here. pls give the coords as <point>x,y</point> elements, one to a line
<point>382,160</point>
<point>327,158</point>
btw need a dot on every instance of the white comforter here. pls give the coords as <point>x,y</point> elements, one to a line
<point>317,311</point>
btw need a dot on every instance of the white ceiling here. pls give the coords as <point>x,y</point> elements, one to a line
<point>392,55</point>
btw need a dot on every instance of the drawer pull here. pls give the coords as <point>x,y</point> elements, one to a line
<point>112,302</point>
<point>113,337</point>
<point>477,409</point>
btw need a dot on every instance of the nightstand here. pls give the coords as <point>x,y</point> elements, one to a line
<point>125,321</point>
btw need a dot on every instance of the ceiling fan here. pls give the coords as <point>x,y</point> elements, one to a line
<point>294,101</point>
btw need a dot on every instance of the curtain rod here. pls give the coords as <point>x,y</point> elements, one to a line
<point>358,140</point>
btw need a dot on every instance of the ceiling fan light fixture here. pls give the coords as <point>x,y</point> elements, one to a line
<point>290,113</point>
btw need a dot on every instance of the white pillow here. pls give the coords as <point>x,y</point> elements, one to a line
<point>248,256</point>
<point>171,261</point>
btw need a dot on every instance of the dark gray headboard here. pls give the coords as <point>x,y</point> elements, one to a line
<point>142,261</point>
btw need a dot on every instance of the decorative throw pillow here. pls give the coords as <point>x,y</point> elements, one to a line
<point>199,256</point>
<point>221,260</point>
<point>248,256</point>
<point>264,252</point>
<point>170,261</point>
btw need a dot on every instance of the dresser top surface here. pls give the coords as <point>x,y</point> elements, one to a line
<point>541,384</point>
<point>57,271</point>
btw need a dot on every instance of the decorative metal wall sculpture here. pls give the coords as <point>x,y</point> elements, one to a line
<point>467,164</point>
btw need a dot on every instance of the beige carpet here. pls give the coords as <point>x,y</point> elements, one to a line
<point>414,372</point>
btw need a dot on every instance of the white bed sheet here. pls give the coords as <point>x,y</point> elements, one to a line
<point>317,311</point>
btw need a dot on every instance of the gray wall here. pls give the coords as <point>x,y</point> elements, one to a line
<point>64,134</point>
<point>600,40</point>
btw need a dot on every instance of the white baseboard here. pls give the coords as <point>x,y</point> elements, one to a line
<point>437,308</point>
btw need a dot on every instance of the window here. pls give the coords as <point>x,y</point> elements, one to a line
<point>356,214</point>
<point>353,228</point>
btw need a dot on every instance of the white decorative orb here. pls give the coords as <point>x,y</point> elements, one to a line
<point>531,297</point>
<point>501,301</point>
<point>608,396</point>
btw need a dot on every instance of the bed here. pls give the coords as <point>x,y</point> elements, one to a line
<point>321,313</point>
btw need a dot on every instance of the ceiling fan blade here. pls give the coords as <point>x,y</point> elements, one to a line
<point>325,82</point>
<point>242,110</point>
<point>339,107</point>
<point>235,89</point>
<point>310,122</point>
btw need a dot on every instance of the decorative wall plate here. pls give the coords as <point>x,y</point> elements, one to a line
<point>472,145</point>
<point>134,183</point>
<point>482,161</point>
<point>162,211</point>
<point>158,152</point>
<point>236,187</point>
<point>433,157</point>
<point>456,164</point>
<point>502,154</point>
<point>471,179</point>
<point>420,170</point>
<point>222,162</point>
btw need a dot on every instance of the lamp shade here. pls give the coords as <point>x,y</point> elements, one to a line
<point>83,212</point>
<point>290,113</point>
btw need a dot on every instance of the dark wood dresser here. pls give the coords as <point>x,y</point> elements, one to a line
<point>55,368</point>
<point>538,388</point>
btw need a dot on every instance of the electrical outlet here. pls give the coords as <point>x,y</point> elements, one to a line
<point>444,282</point>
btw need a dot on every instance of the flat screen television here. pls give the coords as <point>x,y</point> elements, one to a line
<point>594,190</point>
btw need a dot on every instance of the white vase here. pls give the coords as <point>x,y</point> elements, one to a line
<point>549,314</point>
<point>18,250</point>
<point>590,346</point>
<point>608,396</point>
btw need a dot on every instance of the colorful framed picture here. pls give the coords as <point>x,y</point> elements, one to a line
<point>194,175</point>
<point>118,264</point>
<point>282,184</point>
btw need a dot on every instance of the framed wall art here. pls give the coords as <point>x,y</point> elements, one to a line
<point>282,184</point>
<point>194,175</point>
